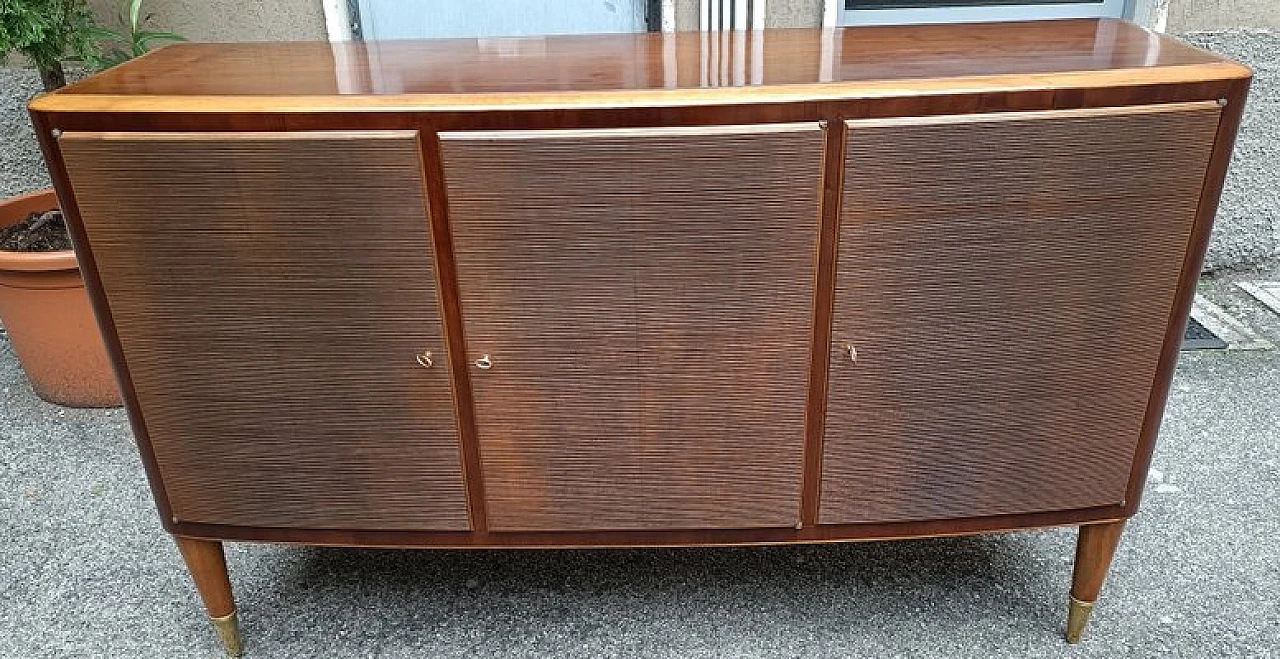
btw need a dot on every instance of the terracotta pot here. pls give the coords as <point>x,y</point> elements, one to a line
<point>46,313</point>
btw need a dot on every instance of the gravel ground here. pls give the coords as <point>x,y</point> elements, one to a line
<point>1247,229</point>
<point>86,570</point>
<point>21,167</point>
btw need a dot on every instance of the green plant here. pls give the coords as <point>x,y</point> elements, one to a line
<point>131,41</point>
<point>48,32</point>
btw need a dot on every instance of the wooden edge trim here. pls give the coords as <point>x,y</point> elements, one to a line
<point>657,98</point>
<point>664,131</point>
<point>1197,244</point>
<point>833,158</point>
<point>73,88</point>
<point>451,310</point>
<point>222,135</point>
<point>102,312</point>
<point>1033,115</point>
<point>626,539</point>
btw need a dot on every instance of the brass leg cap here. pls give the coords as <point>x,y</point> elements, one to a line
<point>1078,619</point>
<point>228,629</point>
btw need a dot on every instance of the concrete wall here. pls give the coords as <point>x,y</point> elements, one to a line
<point>793,13</point>
<point>229,20</point>
<point>1203,15</point>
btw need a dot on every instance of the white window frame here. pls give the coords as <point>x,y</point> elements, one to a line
<point>980,14</point>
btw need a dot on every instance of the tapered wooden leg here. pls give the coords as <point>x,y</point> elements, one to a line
<point>208,569</point>
<point>1094,551</point>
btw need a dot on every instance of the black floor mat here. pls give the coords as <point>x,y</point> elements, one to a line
<point>1199,338</point>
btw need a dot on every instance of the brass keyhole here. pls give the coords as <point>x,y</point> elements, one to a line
<point>852,352</point>
<point>424,359</point>
<point>484,363</point>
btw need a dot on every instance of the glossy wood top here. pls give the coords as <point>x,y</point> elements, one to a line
<point>649,68</point>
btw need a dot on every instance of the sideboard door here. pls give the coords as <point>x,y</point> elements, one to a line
<point>640,304</point>
<point>1005,282</point>
<point>275,300</point>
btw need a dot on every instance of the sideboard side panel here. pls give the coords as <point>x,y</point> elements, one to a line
<point>645,297</point>
<point>270,292</point>
<point>1006,281</point>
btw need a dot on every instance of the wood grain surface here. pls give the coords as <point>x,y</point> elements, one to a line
<point>645,298</point>
<point>1095,548</point>
<point>820,533</point>
<point>863,73</point>
<point>207,564</point>
<point>642,70</point>
<point>1007,282</point>
<point>270,293</point>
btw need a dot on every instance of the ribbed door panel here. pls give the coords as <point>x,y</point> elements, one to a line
<point>270,292</point>
<point>1006,281</point>
<point>646,299</point>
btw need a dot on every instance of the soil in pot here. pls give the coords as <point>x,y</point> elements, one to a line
<point>45,309</point>
<point>40,232</point>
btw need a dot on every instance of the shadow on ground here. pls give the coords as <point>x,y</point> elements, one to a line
<point>86,570</point>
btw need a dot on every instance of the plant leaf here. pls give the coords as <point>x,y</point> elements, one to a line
<point>135,8</point>
<point>154,35</point>
<point>104,34</point>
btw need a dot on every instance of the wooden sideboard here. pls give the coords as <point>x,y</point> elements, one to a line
<point>660,289</point>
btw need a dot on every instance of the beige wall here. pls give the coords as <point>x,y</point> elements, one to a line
<point>229,20</point>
